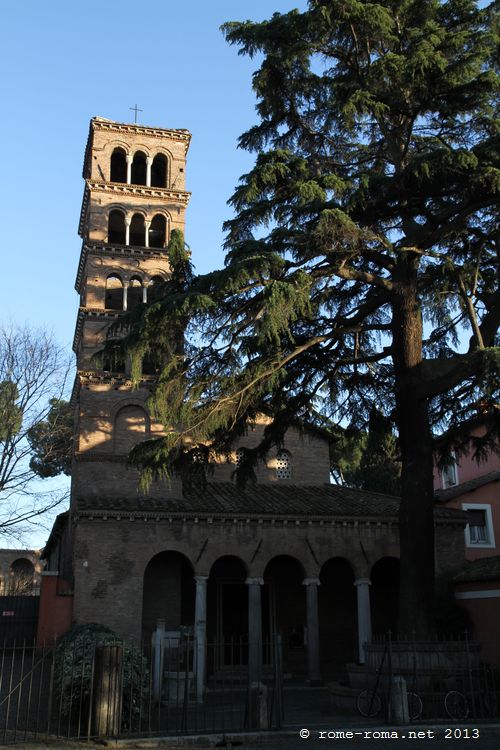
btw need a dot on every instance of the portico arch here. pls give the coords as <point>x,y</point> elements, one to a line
<point>337,615</point>
<point>284,610</point>
<point>168,593</point>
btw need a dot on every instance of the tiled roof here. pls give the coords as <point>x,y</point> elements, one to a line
<point>443,496</point>
<point>225,498</point>
<point>483,569</point>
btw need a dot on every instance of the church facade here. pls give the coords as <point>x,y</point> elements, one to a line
<point>290,553</point>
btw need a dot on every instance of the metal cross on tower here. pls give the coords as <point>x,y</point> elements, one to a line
<point>135,109</point>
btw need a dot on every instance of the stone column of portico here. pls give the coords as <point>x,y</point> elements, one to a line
<point>125,296</point>
<point>364,616</point>
<point>200,634</point>
<point>313,660</point>
<point>144,293</point>
<point>129,158</point>
<point>147,224</point>
<point>149,161</point>
<point>128,221</point>
<point>254,629</point>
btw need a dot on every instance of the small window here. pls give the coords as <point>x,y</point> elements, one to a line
<point>283,465</point>
<point>238,457</point>
<point>479,529</point>
<point>449,475</point>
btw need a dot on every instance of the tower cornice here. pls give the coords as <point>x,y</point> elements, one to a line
<point>101,123</point>
<point>85,313</point>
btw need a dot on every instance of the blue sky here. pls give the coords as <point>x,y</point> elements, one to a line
<point>64,62</point>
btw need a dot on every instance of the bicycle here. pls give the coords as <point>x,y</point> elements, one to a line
<point>369,704</point>
<point>456,705</point>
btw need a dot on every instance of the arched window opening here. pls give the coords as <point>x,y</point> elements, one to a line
<point>21,577</point>
<point>134,293</point>
<point>159,171</point>
<point>283,465</point>
<point>116,227</point>
<point>118,166</point>
<point>114,293</point>
<point>139,169</point>
<point>158,231</point>
<point>138,230</point>
<point>155,288</point>
<point>131,426</point>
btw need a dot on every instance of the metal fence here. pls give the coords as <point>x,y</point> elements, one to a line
<point>454,678</point>
<point>84,690</point>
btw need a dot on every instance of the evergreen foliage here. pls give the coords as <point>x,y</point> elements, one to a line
<point>51,441</point>
<point>363,248</point>
<point>74,668</point>
<point>368,460</point>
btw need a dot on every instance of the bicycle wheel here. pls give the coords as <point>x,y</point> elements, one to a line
<point>415,706</point>
<point>456,705</point>
<point>368,703</point>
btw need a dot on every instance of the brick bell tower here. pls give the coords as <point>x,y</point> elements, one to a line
<point>134,197</point>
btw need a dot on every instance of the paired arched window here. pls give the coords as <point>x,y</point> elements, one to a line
<point>137,230</point>
<point>116,227</point>
<point>158,231</point>
<point>118,165</point>
<point>114,293</point>
<point>139,169</point>
<point>283,465</point>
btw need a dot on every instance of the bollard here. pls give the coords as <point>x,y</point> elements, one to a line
<point>257,706</point>
<point>399,701</point>
<point>107,692</point>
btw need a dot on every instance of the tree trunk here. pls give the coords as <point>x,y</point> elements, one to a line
<point>416,521</point>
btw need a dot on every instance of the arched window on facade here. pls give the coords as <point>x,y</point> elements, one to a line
<point>283,465</point>
<point>118,171</point>
<point>116,227</point>
<point>138,230</point>
<point>134,293</point>
<point>138,176</point>
<point>131,426</point>
<point>155,288</point>
<point>158,231</point>
<point>21,576</point>
<point>114,293</point>
<point>159,171</point>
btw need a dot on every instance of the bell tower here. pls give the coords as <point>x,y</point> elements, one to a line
<point>134,197</point>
